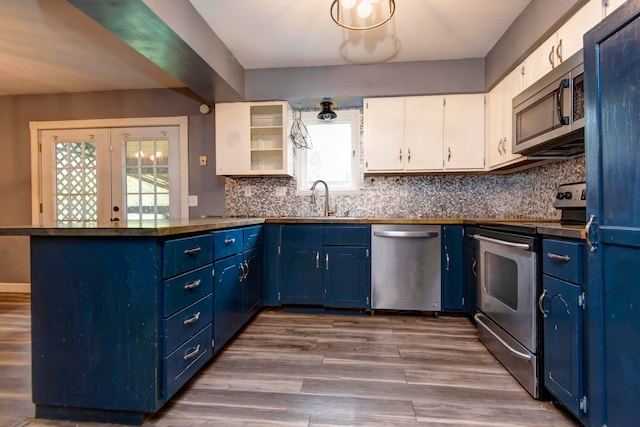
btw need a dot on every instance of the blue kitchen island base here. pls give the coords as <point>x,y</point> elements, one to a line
<point>89,415</point>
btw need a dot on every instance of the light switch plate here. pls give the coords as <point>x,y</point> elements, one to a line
<point>203,160</point>
<point>404,191</point>
<point>193,200</point>
<point>247,191</point>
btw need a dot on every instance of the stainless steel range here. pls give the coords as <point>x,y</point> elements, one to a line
<point>508,288</point>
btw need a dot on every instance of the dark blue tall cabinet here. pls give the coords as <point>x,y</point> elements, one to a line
<point>612,75</point>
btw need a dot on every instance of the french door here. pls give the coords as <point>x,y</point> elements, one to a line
<point>110,174</point>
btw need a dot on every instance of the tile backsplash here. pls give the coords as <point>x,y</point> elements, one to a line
<point>526,194</point>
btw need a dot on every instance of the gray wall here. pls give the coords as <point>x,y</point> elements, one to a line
<point>15,163</point>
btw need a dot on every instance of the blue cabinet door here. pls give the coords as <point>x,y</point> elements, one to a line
<point>252,282</point>
<point>301,274</point>
<point>612,129</point>
<point>346,278</point>
<point>271,265</point>
<point>563,351</point>
<point>227,296</point>
<point>452,268</point>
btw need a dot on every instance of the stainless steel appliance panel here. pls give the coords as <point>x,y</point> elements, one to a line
<point>405,267</point>
<point>507,287</point>
<point>522,363</point>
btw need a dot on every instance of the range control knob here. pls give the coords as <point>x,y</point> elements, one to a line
<point>568,195</point>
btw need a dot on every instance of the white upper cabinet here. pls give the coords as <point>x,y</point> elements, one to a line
<point>499,120</point>
<point>464,132</point>
<point>252,139</point>
<point>424,133</point>
<point>562,44</point>
<point>384,134</point>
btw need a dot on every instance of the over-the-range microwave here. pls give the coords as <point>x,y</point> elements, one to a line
<point>548,117</point>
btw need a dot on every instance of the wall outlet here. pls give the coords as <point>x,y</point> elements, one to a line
<point>247,191</point>
<point>193,200</point>
<point>404,191</point>
<point>281,191</point>
<point>203,160</point>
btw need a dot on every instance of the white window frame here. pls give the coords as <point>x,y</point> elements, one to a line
<point>351,116</point>
<point>36,164</point>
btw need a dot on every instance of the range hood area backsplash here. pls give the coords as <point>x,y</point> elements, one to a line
<point>526,194</point>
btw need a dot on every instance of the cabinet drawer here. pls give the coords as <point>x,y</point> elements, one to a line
<point>182,255</point>
<point>227,242</point>
<point>563,259</point>
<point>338,235</point>
<point>187,288</point>
<point>252,236</point>
<point>185,323</point>
<point>301,234</point>
<point>183,363</point>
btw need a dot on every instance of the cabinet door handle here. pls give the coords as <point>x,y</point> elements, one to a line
<point>473,267</point>
<point>192,251</point>
<point>409,155</point>
<point>229,241</point>
<point>401,154</point>
<point>551,60</point>
<point>246,264</point>
<point>587,233</point>
<point>317,259</point>
<point>242,272</point>
<point>541,303</point>
<point>326,261</point>
<point>556,257</point>
<point>449,154</point>
<point>559,51</point>
<point>448,260</point>
<point>192,285</point>
<point>192,319</point>
<point>193,353</point>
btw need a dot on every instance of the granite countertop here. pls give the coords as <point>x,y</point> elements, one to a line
<point>173,227</point>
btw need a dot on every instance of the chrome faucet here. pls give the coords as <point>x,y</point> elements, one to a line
<point>326,195</point>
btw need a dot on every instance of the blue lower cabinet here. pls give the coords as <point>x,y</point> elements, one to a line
<point>253,282</point>
<point>346,281</point>
<point>187,322</point>
<point>186,360</point>
<point>563,346</point>
<point>228,299</point>
<point>322,265</point>
<point>453,286</point>
<point>271,265</point>
<point>301,274</point>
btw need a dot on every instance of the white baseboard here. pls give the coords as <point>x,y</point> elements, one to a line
<point>22,288</point>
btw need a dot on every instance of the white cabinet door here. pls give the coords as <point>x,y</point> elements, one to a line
<point>540,62</point>
<point>423,133</point>
<point>464,132</point>
<point>512,86</point>
<point>569,36</point>
<point>233,139</point>
<point>384,134</point>
<point>495,124</point>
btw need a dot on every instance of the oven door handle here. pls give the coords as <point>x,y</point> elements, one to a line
<point>503,342</point>
<point>406,234</point>
<point>502,242</point>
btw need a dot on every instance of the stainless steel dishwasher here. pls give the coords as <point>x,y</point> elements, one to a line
<point>405,267</point>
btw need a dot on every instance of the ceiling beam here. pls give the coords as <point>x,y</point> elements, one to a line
<point>141,28</point>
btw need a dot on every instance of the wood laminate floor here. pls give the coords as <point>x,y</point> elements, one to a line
<point>317,370</point>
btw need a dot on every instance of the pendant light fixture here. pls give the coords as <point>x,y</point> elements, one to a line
<point>327,113</point>
<point>341,9</point>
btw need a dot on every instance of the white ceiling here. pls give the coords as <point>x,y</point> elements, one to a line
<point>300,33</point>
<point>48,46</point>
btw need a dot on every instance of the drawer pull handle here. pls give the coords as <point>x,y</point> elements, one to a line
<point>192,251</point>
<point>555,257</point>
<point>192,319</point>
<point>193,353</point>
<point>229,241</point>
<point>192,284</point>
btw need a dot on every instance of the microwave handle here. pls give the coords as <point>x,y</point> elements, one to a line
<point>564,120</point>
